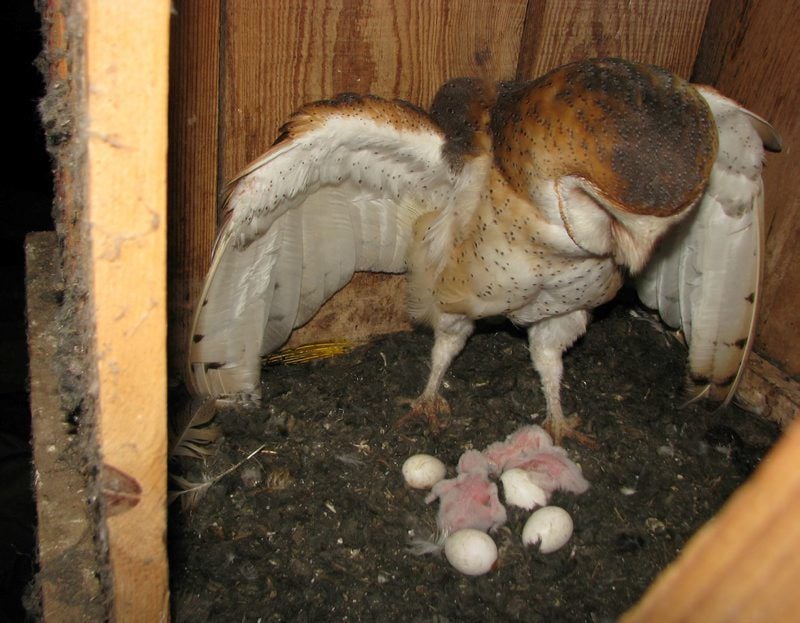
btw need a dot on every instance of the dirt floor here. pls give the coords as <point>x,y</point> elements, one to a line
<point>316,526</point>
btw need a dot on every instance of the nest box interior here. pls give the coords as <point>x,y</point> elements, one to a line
<point>160,128</point>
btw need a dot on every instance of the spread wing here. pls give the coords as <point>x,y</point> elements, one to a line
<point>337,193</point>
<point>706,276</point>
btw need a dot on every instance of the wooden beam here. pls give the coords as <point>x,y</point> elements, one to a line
<point>744,564</point>
<point>126,65</point>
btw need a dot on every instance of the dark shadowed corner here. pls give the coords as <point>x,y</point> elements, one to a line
<point>25,198</point>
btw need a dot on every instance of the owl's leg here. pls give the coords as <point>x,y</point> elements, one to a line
<point>450,334</point>
<point>548,339</point>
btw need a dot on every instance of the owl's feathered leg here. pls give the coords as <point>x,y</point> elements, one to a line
<point>450,333</point>
<point>547,340</point>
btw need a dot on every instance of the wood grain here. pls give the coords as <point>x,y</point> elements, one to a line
<point>127,53</point>
<point>767,390</point>
<point>562,31</point>
<point>193,163</point>
<point>757,65</point>
<point>743,565</point>
<point>279,55</point>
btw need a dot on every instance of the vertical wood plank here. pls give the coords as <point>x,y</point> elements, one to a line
<point>750,53</point>
<point>279,55</point>
<point>562,31</point>
<point>126,132</point>
<point>193,163</point>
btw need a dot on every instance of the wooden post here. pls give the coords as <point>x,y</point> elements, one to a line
<point>126,68</point>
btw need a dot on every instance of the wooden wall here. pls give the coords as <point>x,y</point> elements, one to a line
<point>192,162</point>
<point>560,31</point>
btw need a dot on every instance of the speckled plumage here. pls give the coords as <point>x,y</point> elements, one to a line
<point>529,200</point>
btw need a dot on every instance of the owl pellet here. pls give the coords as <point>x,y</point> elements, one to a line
<point>422,471</point>
<point>470,551</point>
<point>550,527</point>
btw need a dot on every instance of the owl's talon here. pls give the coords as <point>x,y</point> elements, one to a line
<point>567,427</point>
<point>429,409</point>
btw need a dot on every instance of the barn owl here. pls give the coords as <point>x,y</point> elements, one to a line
<point>532,201</point>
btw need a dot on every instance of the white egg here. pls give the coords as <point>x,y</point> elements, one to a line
<point>520,490</point>
<point>422,471</point>
<point>550,527</point>
<point>470,551</point>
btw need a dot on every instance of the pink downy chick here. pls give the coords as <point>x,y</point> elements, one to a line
<point>551,469</point>
<point>518,444</point>
<point>472,462</point>
<point>470,500</point>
